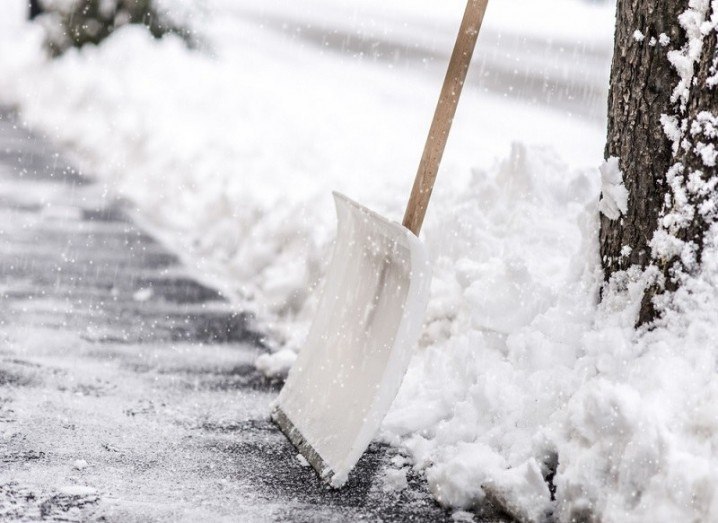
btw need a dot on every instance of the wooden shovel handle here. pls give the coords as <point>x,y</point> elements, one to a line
<point>444,115</point>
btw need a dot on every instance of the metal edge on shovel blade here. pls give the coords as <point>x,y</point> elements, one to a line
<point>294,435</point>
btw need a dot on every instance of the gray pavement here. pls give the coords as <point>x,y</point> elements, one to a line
<point>127,390</point>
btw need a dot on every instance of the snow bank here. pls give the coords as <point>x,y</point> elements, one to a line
<point>520,376</point>
<point>626,420</point>
<point>514,293</point>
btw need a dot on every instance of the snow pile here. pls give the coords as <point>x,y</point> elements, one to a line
<point>514,293</point>
<point>643,431</point>
<point>521,379</point>
<point>626,420</point>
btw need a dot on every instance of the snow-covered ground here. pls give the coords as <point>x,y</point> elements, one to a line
<point>230,155</point>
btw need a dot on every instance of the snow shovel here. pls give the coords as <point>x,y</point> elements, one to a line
<point>371,308</point>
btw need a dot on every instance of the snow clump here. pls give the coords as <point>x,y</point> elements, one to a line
<point>614,195</point>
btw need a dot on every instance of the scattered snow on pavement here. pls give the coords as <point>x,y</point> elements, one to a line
<point>519,374</point>
<point>395,479</point>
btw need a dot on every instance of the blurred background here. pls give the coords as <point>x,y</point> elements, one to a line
<point>227,123</point>
<point>547,57</point>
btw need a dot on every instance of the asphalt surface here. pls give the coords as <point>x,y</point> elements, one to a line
<point>127,390</point>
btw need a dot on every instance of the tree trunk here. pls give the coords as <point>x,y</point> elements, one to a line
<point>662,136</point>
<point>35,9</point>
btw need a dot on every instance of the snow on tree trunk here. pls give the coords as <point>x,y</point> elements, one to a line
<point>663,129</point>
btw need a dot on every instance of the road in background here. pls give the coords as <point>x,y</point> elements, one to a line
<point>567,73</point>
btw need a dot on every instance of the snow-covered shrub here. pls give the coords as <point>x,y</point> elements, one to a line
<point>75,23</point>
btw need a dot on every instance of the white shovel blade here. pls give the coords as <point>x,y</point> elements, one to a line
<point>359,346</point>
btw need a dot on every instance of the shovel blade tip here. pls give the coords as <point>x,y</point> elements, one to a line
<point>294,435</point>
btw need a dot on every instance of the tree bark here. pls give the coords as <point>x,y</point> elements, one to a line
<point>655,174</point>
<point>35,9</point>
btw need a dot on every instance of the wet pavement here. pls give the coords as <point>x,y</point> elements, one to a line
<point>127,388</point>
